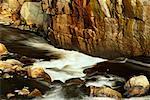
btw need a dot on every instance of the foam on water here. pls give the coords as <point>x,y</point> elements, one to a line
<point>70,65</point>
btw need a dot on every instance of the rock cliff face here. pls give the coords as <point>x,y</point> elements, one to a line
<point>105,28</point>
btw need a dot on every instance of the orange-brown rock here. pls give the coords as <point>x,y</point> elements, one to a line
<point>3,49</point>
<point>105,92</point>
<point>101,28</point>
<point>35,93</point>
<point>38,72</point>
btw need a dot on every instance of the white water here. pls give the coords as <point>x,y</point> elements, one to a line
<point>70,64</point>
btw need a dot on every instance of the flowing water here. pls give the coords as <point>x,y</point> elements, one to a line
<point>60,64</point>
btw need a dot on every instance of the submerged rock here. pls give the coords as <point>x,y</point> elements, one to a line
<point>74,88</point>
<point>113,81</point>
<point>76,81</point>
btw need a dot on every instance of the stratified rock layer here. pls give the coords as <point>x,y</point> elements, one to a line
<point>108,28</point>
<point>105,28</point>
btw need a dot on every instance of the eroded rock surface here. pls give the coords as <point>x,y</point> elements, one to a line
<point>102,28</point>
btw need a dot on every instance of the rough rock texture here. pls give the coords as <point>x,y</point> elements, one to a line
<point>3,49</point>
<point>32,13</point>
<point>137,86</point>
<point>105,28</point>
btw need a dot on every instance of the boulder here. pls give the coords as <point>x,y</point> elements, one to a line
<point>32,13</point>
<point>105,92</point>
<point>3,49</point>
<point>137,86</point>
<point>5,14</point>
<point>14,5</point>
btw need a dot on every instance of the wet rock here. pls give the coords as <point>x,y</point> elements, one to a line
<point>75,91</point>
<point>35,93</point>
<point>104,92</point>
<point>137,86</point>
<point>75,88</point>
<point>24,91</point>
<point>12,66</point>
<point>8,68</point>
<point>77,81</point>
<point>10,63</point>
<point>99,80</point>
<point>3,49</point>
<point>6,75</point>
<point>27,61</point>
<point>23,88</point>
<point>13,72</point>
<point>120,68</point>
<point>9,95</point>
<point>38,73</point>
<point>13,62</point>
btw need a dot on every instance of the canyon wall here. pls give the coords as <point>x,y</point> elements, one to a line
<point>104,28</point>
